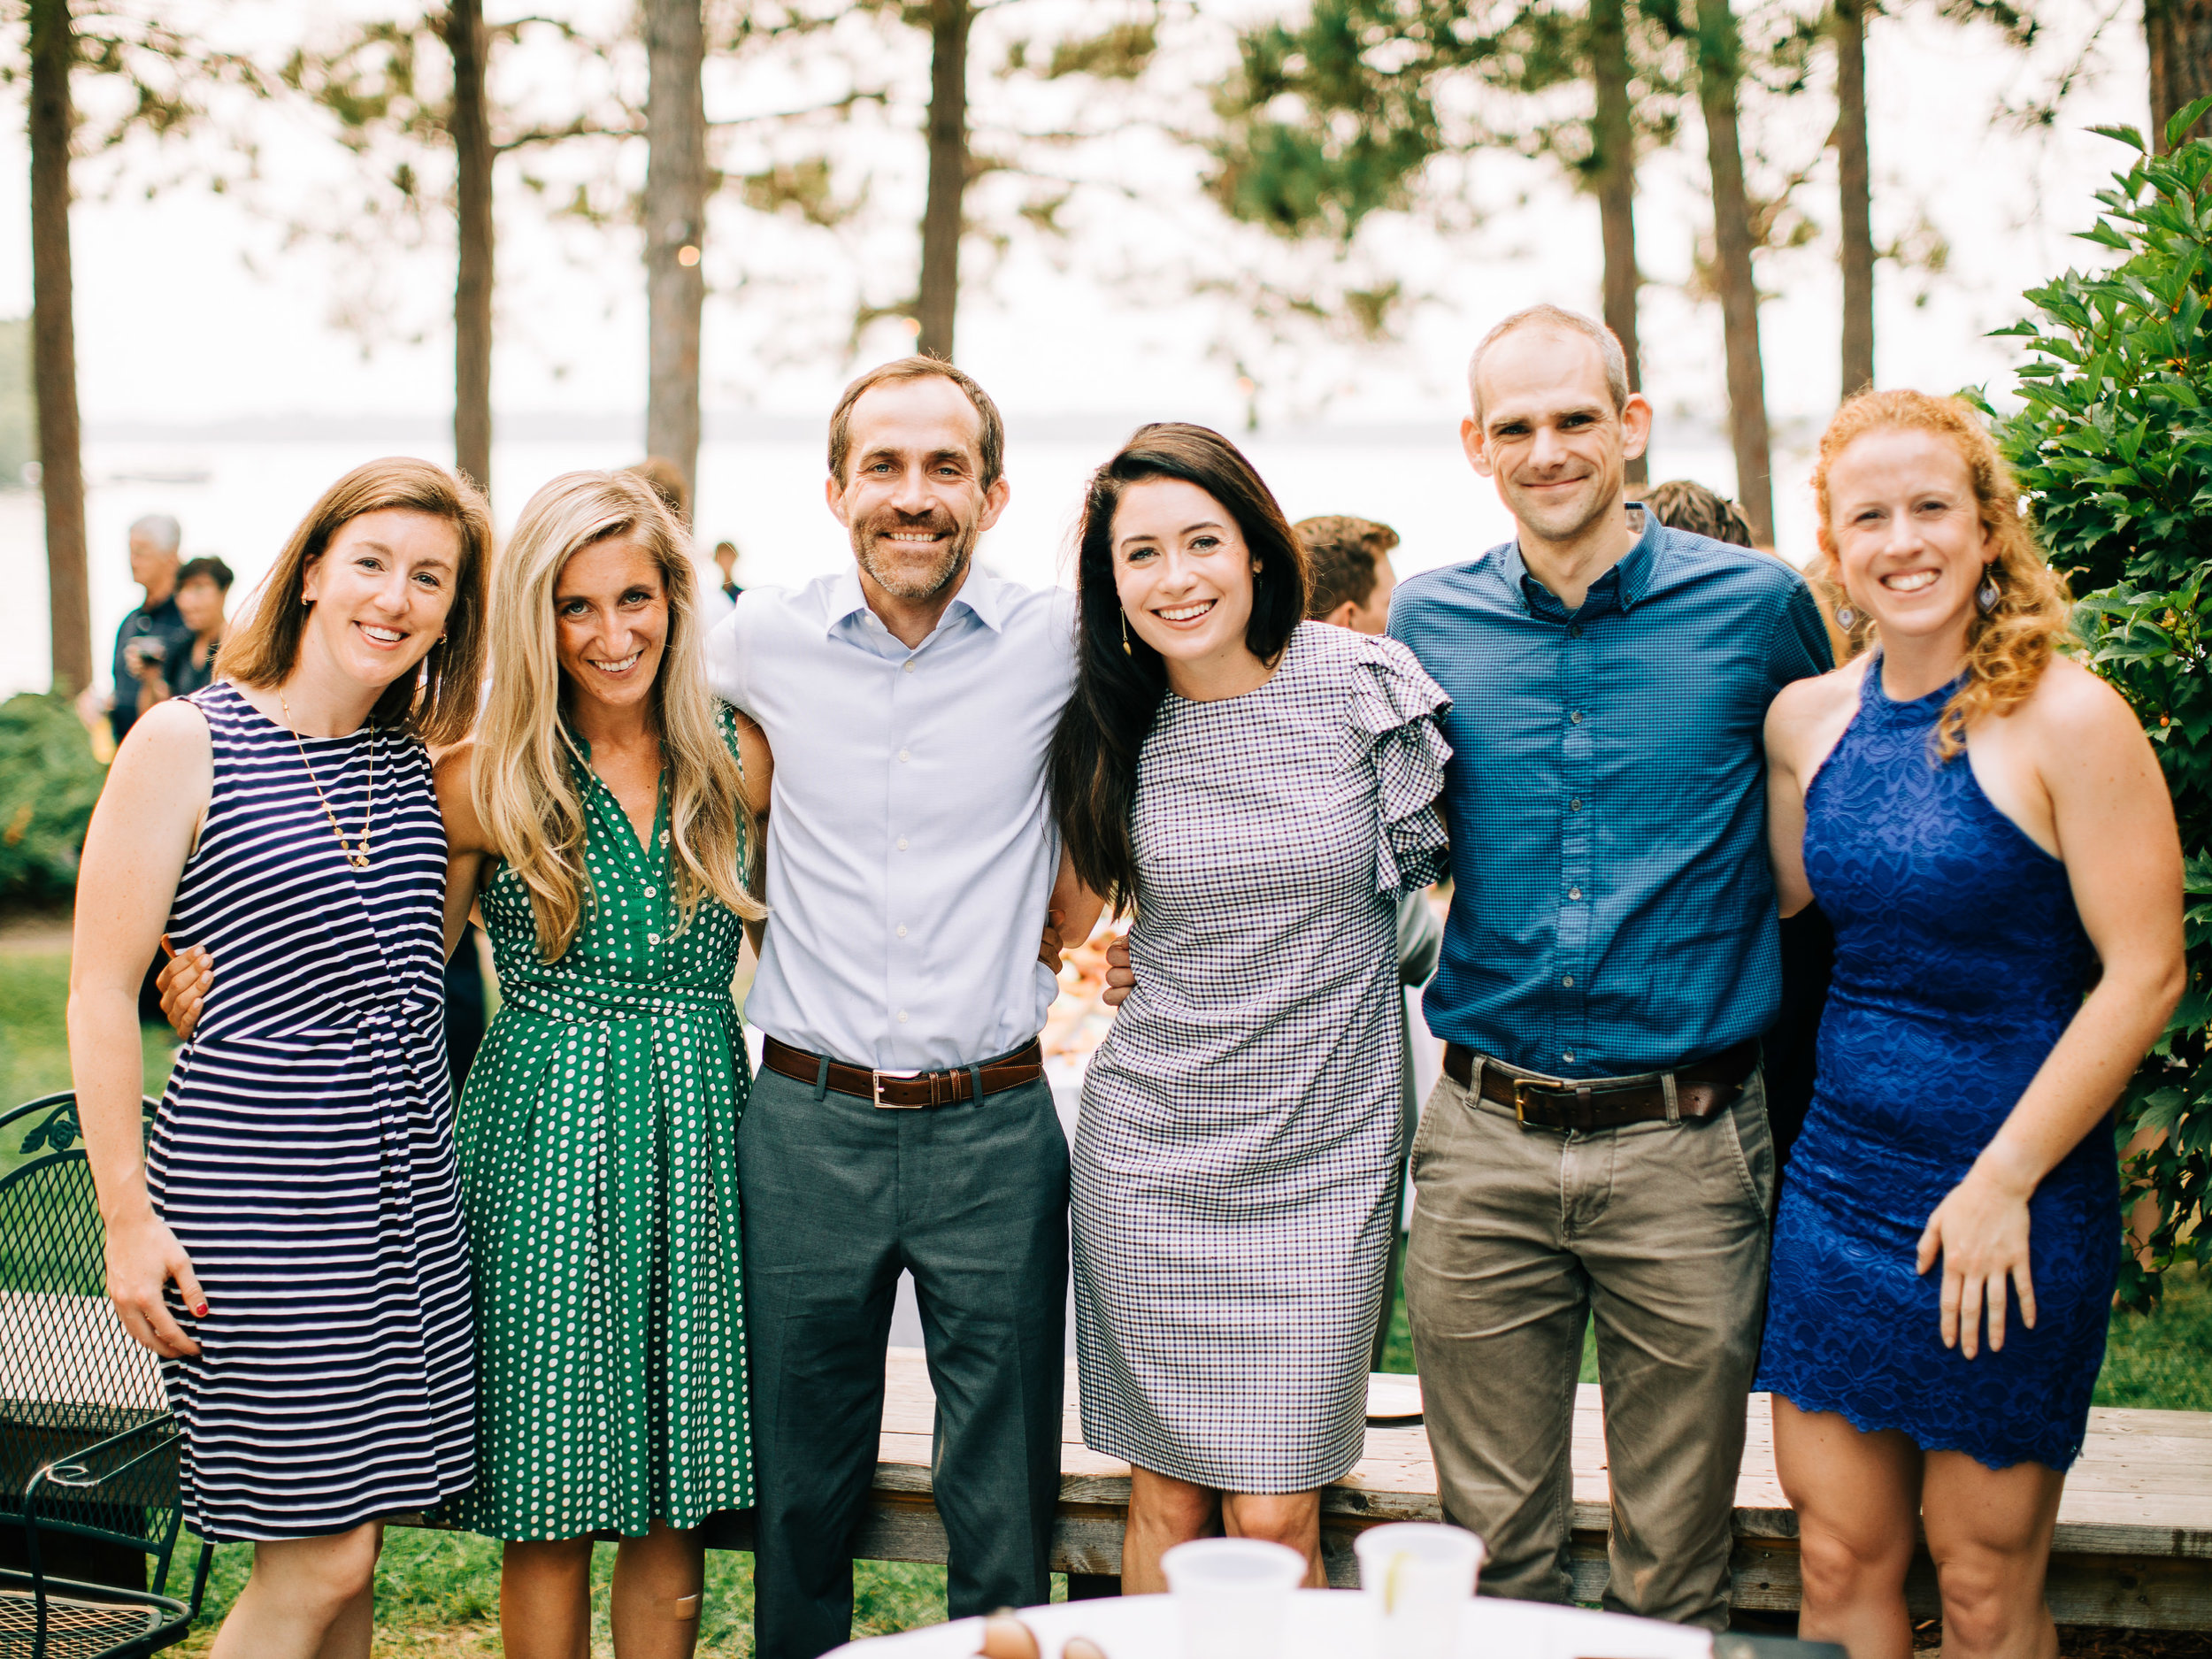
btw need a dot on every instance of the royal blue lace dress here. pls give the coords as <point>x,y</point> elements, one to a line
<point>1960,958</point>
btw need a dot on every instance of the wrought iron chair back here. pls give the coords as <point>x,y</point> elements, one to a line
<point>87,1447</point>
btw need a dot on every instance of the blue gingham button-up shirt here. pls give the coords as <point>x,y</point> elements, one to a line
<point>1613,911</point>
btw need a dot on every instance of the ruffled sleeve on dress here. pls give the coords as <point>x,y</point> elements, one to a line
<point>1393,707</point>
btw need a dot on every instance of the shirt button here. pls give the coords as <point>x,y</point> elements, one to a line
<point>1576,716</point>
<point>902,843</point>
<point>1569,1058</point>
<point>1575,632</point>
<point>901,1016</point>
<point>1575,805</point>
<point>902,930</point>
<point>1574,893</point>
<point>652,939</point>
<point>1568,982</point>
<point>910,664</point>
<point>903,752</point>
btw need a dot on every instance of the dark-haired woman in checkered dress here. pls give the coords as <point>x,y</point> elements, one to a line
<point>1259,790</point>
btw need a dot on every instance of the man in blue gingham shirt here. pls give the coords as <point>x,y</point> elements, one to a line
<point>1598,1142</point>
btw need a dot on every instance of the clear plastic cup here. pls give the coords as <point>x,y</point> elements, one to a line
<point>1232,1595</point>
<point>1418,1578</point>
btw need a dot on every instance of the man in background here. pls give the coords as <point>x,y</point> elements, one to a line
<point>1352,584</point>
<point>155,632</point>
<point>726,556</point>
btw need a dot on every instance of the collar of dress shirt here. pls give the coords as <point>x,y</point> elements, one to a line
<point>983,596</point>
<point>1623,585</point>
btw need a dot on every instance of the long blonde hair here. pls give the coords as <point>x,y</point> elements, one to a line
<point>2009,645</point>
<point>523,778</point>
<point>438,699</point>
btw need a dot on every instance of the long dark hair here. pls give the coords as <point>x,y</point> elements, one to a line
<point>1117,690</point>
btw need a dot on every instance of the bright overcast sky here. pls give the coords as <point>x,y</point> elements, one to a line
<point>189,310</point>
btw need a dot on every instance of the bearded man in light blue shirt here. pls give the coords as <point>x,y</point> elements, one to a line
<point>901,1120</point>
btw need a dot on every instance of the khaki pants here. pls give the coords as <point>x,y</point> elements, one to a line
<point>1520,1235</point>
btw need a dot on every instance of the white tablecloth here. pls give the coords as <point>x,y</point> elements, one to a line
<point>1323,1625</point>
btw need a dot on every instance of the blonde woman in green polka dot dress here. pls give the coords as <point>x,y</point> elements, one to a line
<point>603,818</point>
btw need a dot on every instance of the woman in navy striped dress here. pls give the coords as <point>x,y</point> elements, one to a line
<point>298,1191</point>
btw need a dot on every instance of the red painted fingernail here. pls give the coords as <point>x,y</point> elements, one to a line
<point>200,1312</point>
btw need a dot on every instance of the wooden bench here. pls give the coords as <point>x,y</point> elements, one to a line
<point>2133,1550</point>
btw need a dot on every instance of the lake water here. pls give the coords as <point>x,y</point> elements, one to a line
<point>240,495</point>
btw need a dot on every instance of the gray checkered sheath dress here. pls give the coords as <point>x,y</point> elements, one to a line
<point>1235,1167</point>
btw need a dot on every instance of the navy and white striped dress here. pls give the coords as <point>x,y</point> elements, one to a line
<point>303,1155</point>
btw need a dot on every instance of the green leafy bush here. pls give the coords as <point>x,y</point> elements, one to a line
<point>48,783</point>
<point>2113,446</point>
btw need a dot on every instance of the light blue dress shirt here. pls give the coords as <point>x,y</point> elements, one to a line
<point>911,852</point>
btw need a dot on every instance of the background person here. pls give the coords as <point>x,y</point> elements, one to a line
<point>1597,1147</point>
<point>725,561</point>
<point>1260,790</point>
<point>202,589</point>
<point>298,1188</point>
<point>1348,561</point>
<point>1988,828</point>
<point>152,631</point>
<point>909,700</point>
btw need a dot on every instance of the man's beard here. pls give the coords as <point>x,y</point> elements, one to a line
<point>932,580</point>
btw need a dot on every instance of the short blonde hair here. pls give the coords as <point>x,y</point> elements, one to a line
<point>437,701</point>
<point>2009,645</point>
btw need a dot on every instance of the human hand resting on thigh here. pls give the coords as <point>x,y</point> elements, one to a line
<point>184,982</point>
<point>1120,977</point>
<point>142,1257</point>
<point>1980,1229</point>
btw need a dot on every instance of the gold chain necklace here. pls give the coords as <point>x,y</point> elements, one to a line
<point>357,858</point>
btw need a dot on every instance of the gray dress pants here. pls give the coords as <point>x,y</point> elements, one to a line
<point>1520,1236</point>
<point>839,1195</point>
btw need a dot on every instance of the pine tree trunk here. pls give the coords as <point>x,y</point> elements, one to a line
<point>473,286</point>
<point>1614,134</point>
<point>941,216</point>
<point>1856,196</point>
<point>2179,36</point>
<point>675,229</point>
<point>54,346</point>
<point>1719,53</point>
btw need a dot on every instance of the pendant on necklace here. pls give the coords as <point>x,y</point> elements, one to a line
<point>359,861</point>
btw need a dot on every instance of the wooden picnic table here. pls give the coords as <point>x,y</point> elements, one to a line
<point>2133,1547</point>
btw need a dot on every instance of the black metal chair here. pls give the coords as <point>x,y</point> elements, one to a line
<point>87,1445</point>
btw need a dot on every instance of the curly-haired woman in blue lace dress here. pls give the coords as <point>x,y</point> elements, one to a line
<point>1989,831</point>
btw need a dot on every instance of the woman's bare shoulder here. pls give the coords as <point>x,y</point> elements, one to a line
<point>1804,706</point>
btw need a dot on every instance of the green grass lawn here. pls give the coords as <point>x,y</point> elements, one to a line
<point>438,1593</point>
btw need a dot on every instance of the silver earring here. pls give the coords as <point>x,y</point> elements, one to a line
<point>1125,651</point>
<point>1847,618</point>
<point>1987,594</point>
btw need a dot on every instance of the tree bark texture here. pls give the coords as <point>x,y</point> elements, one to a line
<point>2179,36</point>
<point>941,216</point>
<point>472,284</point>
<point>675,229</point>
<point>1614,147</point>
<point>54,345</point>
<point>1719,54</point>
<point>1856,196</point>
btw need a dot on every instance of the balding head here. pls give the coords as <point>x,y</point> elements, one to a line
<point>1556,320</point>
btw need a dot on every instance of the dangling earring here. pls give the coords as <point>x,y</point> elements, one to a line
<point>1987,594</point>
<point>1125,651</point>
<point>1847,618</point>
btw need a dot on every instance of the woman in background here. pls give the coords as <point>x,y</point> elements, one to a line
<point>1260,789</point>
<point>298,1189</point>
<point>1986,826</point>
<point>202,586</point>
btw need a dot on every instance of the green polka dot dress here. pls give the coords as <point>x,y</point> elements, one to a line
<point>598,1151</point>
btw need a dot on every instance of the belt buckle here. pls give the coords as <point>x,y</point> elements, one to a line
<point>1521,1088</point>
<point>875,1090</point>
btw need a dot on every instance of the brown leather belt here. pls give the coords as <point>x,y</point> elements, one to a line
<point>1702,1090</point>
<point>907,1091</point>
